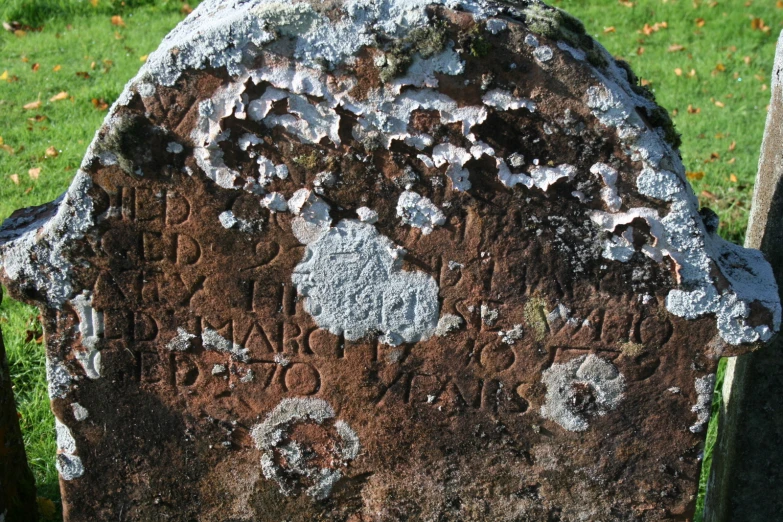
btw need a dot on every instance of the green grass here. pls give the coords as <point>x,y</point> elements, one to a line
<point>720,142</point>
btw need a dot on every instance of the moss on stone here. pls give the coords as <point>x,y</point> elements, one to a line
<point>535,317</point>
<point>478,45</point>
<point>426,41</point>
<point>307,161</point>
<point>556,24</point>
<point>632,350</point>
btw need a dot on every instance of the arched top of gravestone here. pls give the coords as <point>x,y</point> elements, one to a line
<point>422,80</point>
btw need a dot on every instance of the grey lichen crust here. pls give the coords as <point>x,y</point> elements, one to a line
<point>231,34</point>
<point>287,461</point>
<point>354,285</point>
<point>703,407</point>
<point>580,389</point>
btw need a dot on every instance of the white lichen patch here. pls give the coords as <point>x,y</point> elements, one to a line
<point>367,215</point>
<point>609,193</point>
<point>312,216</point>
<point>543,53</point>
<point>544,177</point>
<point>289,461</point>
<point>91,330</point>
<point>505,101</point>
<point>418,211</point>
<point>275,202</point>
<point>212,340</point>
<point>181,342</point>
<point>448,323</point>
<point>513,335</point>
<point>489,315</point>
<point>353,284</point>
<point>579,389</point>
<point>58,379</point>
<point>68,464</point>
<point>227,219</point>
<point>703,407</point>
<point>80,413</point>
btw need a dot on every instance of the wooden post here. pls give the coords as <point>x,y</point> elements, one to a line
<point>745,482</point>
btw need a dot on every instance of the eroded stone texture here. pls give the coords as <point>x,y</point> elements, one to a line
<point>383,260</point>
<point>17,485</point>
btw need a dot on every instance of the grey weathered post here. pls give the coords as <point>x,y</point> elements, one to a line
<point>748,447</point>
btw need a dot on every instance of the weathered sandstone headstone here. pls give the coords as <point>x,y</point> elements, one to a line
<point>383,260</point>
<point>17,485</point>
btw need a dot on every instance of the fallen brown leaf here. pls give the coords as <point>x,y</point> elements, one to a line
<point>100,104</point>
<point>51,152</point>
<point>733,178</point>
<point>608,30</point>
<point>33,105</point>
<point>46,507</point>
<point>697,175</point>
<point>143,58</point>
<point>14,178</point>
<point>118,21</point>
<point>36,66</point>
<point>709,195</point>
<point>59,96</point>
<point>57,67</point>
<point>676,48</point>
<point>757,24</point>
<point>678,71</point>
<point>700,22</point>
<point>186,9</point>
<point>693,110</point>
<point>719,104</point>
<point>34,173</point>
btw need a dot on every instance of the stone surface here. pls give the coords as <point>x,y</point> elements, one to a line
<point>388,260</point>
<point>17,485</point>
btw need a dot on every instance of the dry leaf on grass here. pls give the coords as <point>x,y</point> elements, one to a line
<point>59,96</point>
<point>33,105</point>
<point>52,152</point>
<point>34,173</point>
<point>14,178</point>
<point>118,21</point>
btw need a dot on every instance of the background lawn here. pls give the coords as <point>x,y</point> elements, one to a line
<point>65,61</point>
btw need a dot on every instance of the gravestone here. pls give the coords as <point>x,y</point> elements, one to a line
<point>17,485</point>
<point>383,260</point>
<point>748,461</point>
